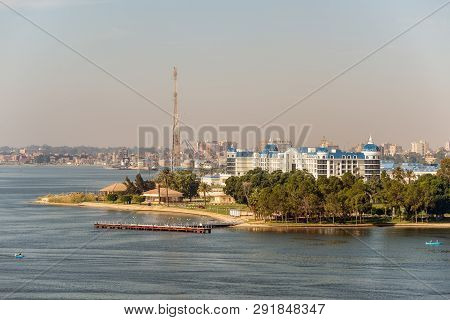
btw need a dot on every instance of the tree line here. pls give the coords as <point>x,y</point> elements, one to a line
<point>298,197</point>
<point>184,181</point>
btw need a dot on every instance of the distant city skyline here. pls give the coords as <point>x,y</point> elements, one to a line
<point>240,63</point>
<point>411,147</point>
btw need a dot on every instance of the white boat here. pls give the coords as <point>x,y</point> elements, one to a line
<point>433,243</point>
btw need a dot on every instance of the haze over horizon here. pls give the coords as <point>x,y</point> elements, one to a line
<point>239,63</point>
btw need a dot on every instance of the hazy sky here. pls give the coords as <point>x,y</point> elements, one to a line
<point>240,62</point>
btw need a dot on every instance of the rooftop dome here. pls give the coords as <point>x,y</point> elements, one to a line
<point>370,146</point>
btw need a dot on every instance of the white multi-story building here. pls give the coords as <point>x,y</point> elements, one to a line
<point>421,147</point>
<point>318,161</point>
<point>216,179</point>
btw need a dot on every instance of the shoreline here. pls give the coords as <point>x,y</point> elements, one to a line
<point>240,223</point>
<point>280,226</point>
<point>144,209</point>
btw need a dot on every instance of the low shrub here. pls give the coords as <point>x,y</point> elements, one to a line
<point>125,199</point>
<point>138,199</point>
<point>74,197</point>
<point>111,197</point>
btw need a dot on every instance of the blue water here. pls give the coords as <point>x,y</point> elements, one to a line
<point>66,258</point>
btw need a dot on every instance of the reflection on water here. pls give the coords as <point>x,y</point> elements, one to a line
<point>345,231</point>
<point>229,263</point>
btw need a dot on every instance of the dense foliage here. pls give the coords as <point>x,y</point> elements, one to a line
<point>139,185</point>
<point>125,199</point>
<point>183,181</point>
<point>298,196</point>
<point>112,197</point>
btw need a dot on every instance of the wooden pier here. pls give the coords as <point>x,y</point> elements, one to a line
<point>150,227</point>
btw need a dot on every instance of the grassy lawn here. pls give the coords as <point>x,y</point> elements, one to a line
<point>216,208</point>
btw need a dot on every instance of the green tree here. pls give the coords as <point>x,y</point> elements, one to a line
<point>396,196</point>
<point>262,203</point>
<point>233,188</point>
<point>383,194</point>
<point>278,201</point>
<point>298,185</point>
<point>111,197</point>
<point>409,174</point>
<point>348,180</point>
<point>246,189</point>
<point>311,205</point>
<point>444,170</point>
<point>187,183</point>
<point>165,177</point>
<point>333,205</point>
<point>138,199</point>
<point>139,185</point>
<point>358,199</point>
<point>124,198</point>
<point>435,193</point>
<point>204,188</point>
<point>131,188</point>
<point>398,174</point>
<point>143,185</point>
<point>413,199</point>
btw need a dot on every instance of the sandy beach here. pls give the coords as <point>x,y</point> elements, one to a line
<point>242,223</point>
<point>154,209</point>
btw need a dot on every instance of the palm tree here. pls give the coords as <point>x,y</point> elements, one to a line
<point>159,193</point>
<point>409,174</point>
<point>398,174</point>
<point>165,177</point>
<point>204,187</point>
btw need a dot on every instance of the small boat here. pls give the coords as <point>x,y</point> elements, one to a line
<point>433,243</point>
<point>19,256</point>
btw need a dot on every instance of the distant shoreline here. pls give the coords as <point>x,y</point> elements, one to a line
<point>241,223</point>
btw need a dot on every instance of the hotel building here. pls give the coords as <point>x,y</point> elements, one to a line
<point>318,161</point>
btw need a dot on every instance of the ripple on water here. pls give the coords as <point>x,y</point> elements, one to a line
<point>228,264</point>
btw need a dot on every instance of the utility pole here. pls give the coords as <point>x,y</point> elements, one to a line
<point>176,124</point>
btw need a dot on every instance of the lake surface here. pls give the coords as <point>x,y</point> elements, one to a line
<point>66,258</point>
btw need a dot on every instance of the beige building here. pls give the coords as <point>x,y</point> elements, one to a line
<point>117,188</point>
<point>218,197</point>
<point>217,179</point>
<point>155,195</point>
<point>395,149</point>
<point>421,147</point>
